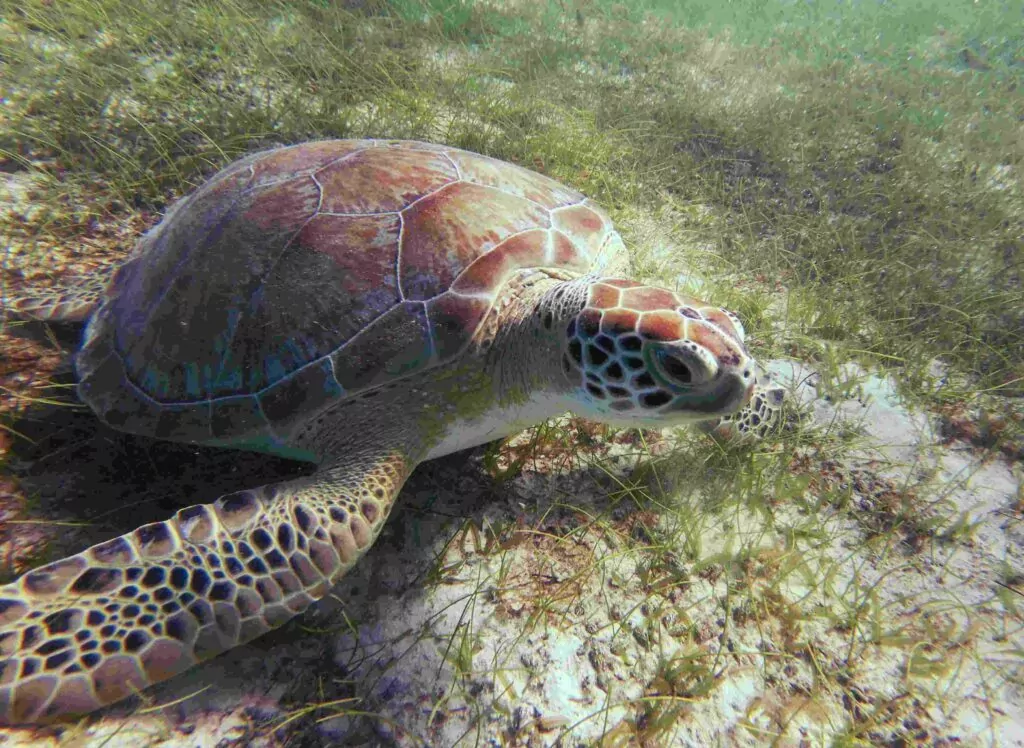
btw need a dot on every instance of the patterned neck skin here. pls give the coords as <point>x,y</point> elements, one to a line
<point>611,350</point>
<point>614,350</point>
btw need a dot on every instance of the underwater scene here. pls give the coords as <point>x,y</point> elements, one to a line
<point>512,373</point>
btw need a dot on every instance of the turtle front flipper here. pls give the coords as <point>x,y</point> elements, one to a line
<point>94,628</point>
<point>63,304</point>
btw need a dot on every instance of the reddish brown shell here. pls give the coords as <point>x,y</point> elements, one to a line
<point>300,276</point>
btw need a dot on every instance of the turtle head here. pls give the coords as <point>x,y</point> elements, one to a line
<point>645,356</point>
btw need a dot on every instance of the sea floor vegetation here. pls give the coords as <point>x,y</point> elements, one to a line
<point>848,181</point>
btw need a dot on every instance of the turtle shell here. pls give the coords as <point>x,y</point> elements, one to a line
<point>304,275</point>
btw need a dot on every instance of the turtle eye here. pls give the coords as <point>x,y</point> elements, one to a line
<point>673,367</point>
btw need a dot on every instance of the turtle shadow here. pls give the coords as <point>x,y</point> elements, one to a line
<point>66,335</point>
<point>97,482</point>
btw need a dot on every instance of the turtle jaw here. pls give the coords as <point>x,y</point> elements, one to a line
<point>702,383</point>
<point>727,393</point>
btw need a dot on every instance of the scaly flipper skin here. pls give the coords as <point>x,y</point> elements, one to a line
<point>74,304</point>
<point>96,627</point>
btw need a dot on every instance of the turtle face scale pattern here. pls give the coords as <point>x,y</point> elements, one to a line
<point>642,355</point>
<point>364,305</point>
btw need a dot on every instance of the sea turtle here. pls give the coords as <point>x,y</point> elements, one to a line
<point>364,305</point>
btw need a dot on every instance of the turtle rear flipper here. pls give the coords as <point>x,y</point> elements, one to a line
<point>74,304</point>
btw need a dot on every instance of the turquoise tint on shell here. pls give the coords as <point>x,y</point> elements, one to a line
<point>301,276</point>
